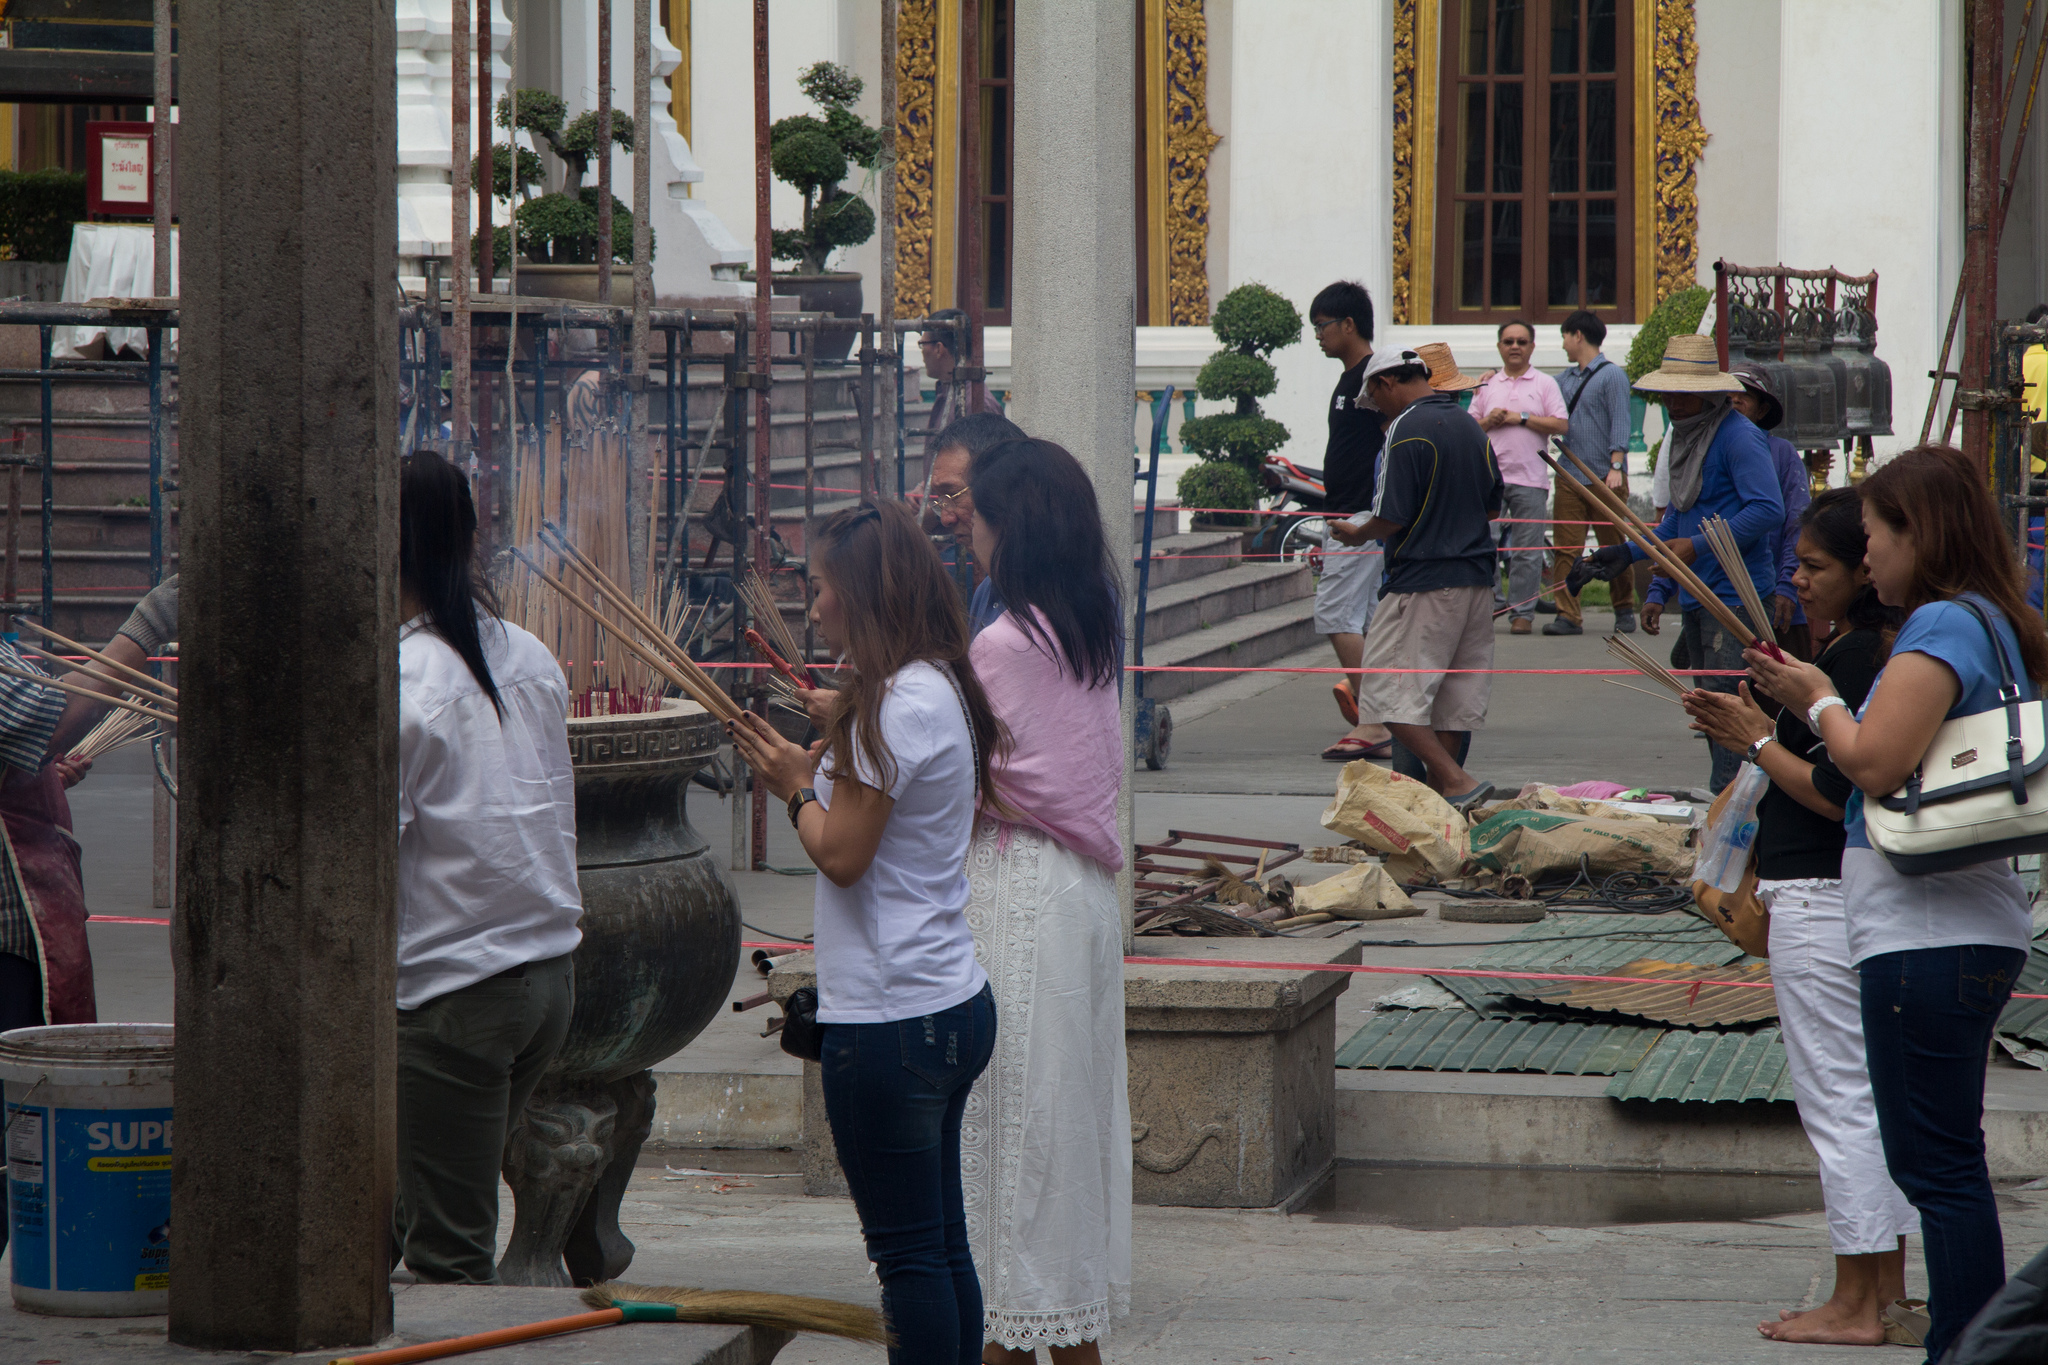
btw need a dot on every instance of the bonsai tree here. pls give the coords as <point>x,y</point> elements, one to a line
<point>811,155</point>
<point>1252,322</point>
<point>558,228</point>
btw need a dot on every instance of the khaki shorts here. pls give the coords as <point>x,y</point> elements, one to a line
<point>1442,628</point>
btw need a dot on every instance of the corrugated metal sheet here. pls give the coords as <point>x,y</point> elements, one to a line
<point>1680,1004</point>
<point>1593,945</point>
<point>2027,1020</point>
<point>1459,1040</point>
<point>1709,1067</point>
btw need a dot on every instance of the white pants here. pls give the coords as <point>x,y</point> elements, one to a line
<point>1820,1011</point>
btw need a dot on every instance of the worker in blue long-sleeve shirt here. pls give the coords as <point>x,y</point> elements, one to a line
<point>1720,466</point>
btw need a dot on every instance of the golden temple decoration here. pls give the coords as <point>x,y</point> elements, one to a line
<point>1404,162</point>
<point>1189,141</point>
<point>917,87</point>
<point>1681,137</point>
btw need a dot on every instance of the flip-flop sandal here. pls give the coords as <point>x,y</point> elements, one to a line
<point>1906,1322</point>
<point>1471,798</point>
<point>1347,705</point>
<point>1347,749</point>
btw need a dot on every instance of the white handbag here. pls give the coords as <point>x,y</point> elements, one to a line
<point>1981,790</point>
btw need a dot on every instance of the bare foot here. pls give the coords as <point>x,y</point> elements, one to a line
<point>1828,1323</point>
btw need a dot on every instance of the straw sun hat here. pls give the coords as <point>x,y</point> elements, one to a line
<point>1444,375</point>
<point>1691,364</point>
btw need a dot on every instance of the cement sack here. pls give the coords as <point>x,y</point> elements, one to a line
<point>1361,891</point>
<point>1397,815</point>
<point>1548,798</point>
<point>1537,844</point>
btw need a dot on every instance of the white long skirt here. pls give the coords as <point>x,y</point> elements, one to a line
<point>1045,1152</point>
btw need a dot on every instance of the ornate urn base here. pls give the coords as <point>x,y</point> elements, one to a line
<point>661,941</point>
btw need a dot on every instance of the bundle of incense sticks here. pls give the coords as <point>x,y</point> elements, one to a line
<point>767,613</point>
<point>1636,529</point>
<point>637,632</point>
<point>1626,650</point>
<point>116,730</point>
<point>1721,536</point>
<point>153,697</point>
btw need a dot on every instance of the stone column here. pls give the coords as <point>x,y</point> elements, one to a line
<point>283,939</point>
<point>1073,361</point>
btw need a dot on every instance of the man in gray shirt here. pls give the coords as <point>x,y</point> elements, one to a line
<point>1596,398</point>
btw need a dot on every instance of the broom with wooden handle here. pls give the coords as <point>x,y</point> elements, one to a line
<point>611,1305</point>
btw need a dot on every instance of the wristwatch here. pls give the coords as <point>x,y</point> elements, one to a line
<point>798,799</point>
<point>1613,463</point>
<point>1756,747</point>
<point>1523,417</point>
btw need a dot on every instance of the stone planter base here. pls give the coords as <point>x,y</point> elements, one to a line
<point>1232,1073</point>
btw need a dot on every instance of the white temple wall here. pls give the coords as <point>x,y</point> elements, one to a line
<point>1738,174</point>
<point>1868,168</point>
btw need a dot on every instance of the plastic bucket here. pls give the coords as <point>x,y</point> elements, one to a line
<point>88,1146</point>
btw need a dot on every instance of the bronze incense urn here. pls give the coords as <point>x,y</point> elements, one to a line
<point>661,942</point>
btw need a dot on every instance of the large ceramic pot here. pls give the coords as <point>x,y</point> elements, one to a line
<point>661,942</point>
<point>577,282</point>
<point>836,294</point>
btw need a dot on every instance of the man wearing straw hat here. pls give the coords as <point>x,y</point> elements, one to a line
<point>1720,466</point>
<point>1437,492</point>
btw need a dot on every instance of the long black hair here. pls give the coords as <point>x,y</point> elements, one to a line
<point>1835,521</point>
<point>436,544</point>
<point>1050,552</point>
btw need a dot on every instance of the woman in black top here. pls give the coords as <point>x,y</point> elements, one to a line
<point>1799,870</point>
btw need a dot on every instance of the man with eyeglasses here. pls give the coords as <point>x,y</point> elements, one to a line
<point>1341,318</point>
<point>954,449</point>
<point>1519,407</point>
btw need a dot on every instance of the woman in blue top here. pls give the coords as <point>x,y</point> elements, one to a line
<point>1938,953</point>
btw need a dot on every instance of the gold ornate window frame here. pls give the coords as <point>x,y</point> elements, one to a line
<point>1178,144</point>
<point>1666,161</point>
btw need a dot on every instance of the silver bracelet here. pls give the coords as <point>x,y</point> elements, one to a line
<point>1813,711</point>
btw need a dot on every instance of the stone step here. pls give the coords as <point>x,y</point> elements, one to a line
<point>1179,558</point>
<point>1246,641</point>
<point>78,527</point>
<point>1211,600</point>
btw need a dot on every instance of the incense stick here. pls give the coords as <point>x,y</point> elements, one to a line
<point>145,679</point>
<point>1632,655</point>
<point>1631,687</point>
<point>1721,536</point>
<point>119,684</point>
<point>116,730</point>
<point>1636,529</point>
<point>97,696</point>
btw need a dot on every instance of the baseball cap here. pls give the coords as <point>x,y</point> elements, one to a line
<point>1382,361</point>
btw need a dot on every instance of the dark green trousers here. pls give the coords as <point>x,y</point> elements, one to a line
<point>467,1064</point>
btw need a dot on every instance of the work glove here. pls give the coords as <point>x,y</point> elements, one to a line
<point>1607,563</point>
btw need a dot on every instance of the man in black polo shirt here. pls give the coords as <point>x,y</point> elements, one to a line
<point>1341,318</point>
<point>1438,489</point>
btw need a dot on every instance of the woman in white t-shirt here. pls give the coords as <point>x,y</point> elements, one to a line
<point>1939,953</point>
<point>884,805</point>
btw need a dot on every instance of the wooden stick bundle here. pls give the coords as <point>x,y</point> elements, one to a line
<point>699,688</point>
<point>1722,537</point>
<point>94,693</point>
<point>1630,653</point>
<point>116,730</point>
<point>155,685</point>
<point>1636,529</point>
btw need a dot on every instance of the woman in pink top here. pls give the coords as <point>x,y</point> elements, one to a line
<point>1046,1150</point>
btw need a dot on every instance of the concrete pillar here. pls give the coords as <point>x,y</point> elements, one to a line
<point>283,939</point>
<point>1073,360</point>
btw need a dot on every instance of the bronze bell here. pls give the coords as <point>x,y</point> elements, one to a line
<point>1812,417</point>
<point>1868,410</point>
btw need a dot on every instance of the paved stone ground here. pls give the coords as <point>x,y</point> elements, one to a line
<point>1217,1286</point>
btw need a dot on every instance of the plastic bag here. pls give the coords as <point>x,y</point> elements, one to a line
<point>1724,848</point>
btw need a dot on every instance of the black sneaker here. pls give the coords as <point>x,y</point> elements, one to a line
<point>1624,623</point>
<point>1545,607</point>
<point>1563,627</point>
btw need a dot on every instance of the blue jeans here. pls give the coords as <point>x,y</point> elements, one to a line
<point>894,1095</point>
<point>1708,644</point>
<point>1927,1020</point>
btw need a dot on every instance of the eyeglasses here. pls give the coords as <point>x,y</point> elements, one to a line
<point>1515,341</point>
<point>1317,327</point>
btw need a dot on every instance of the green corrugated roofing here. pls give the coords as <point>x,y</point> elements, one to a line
<point>2027,1020</point>
<point>1709,1067</point>
<point>1562,943</point>
<point>1459,1040</point>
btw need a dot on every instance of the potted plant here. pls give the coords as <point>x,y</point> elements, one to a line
<point>557,231</point>
<point>1252,322</point>
<point>812,154</point>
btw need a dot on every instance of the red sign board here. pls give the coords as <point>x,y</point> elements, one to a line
<point>120,170</point>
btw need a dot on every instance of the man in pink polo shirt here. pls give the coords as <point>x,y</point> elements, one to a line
<point>1520,408</point>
